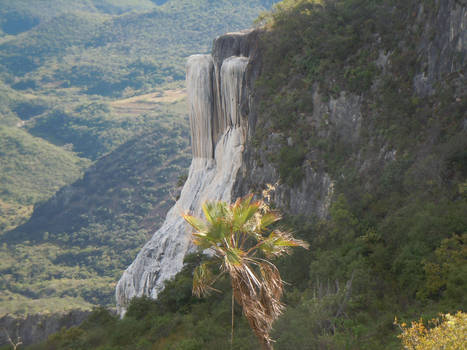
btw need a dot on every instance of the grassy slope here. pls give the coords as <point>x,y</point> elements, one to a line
<point>95,128</point>
<point>7,96</point>
<point>31,170</point>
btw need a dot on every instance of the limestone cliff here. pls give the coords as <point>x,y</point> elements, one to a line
<point>218,95</point>
<point>36,328</point>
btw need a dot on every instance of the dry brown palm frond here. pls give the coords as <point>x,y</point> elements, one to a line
<point>203,279</point>
<point>259,297</point>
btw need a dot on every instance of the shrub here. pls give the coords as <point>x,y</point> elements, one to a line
<point>448,333</point>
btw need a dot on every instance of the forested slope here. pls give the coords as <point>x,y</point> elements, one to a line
<point>23,158</point>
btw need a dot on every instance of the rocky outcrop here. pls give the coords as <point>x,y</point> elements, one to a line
<point>33,329</point>
<point>218,93</point>
<point>441,50</point>
<point>443,44</point>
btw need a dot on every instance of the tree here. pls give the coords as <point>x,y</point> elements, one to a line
<point>241,242</point>
<point>16,344</point>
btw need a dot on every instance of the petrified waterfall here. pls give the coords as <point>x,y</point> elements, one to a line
<point>215,87</point>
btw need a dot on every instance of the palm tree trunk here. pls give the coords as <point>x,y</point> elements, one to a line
<point>232,330</point>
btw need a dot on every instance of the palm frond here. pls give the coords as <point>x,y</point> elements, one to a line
<point>214,210</point>
<point>201,241</point>
<point>198,224</point>
<point>285,239</point>
<point>268,219</point>
<point>233,257</point>
<point>260,300</point>
<point>242,211</point>
<point>278,243</point>
<point>203,279</point>
<point>217,230</point>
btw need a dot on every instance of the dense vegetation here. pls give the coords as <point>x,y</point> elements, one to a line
<point>92,81</point>
<point>77,243</point>
<point>396,232</point>
<point>445,332</point>
<point>394,242</point>
<point>24,158</point>
<point>177,320</point>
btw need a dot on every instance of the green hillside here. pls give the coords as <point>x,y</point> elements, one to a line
<point>105,54</point>
<point>394,241</point>
<point>31,170</point>
<point>18,16</point>
<point>8,98</point>
<point>95,128</point>
<point>72,250</point>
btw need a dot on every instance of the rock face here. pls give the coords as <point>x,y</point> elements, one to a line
<point>36,328</point>
<point>441,48</point>
<point>218,94</point>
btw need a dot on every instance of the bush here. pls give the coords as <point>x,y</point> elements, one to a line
<point>448,333</point>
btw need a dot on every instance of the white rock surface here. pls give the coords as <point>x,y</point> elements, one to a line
<point>218,138</point>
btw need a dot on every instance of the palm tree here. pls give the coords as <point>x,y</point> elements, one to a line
<point>240,239</point>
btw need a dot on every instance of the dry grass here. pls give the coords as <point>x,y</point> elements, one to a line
<point>17,304</point>
<point>142,104</point>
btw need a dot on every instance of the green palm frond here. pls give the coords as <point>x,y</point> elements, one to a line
<point>267,220</point>
<point>218,229</point>
<point>278,243</point>
<point>201,241</point>
<point>242,211</point>
<point>198,224</point>
<point>214,210</point>
<point>233,257</point>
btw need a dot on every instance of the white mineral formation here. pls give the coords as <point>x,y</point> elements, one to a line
<point>218,138</point>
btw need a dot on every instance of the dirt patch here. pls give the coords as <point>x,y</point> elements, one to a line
<point>141,104</point>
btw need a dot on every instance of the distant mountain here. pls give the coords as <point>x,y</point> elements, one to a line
<point>18,16</point>
<point>89,47</point>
